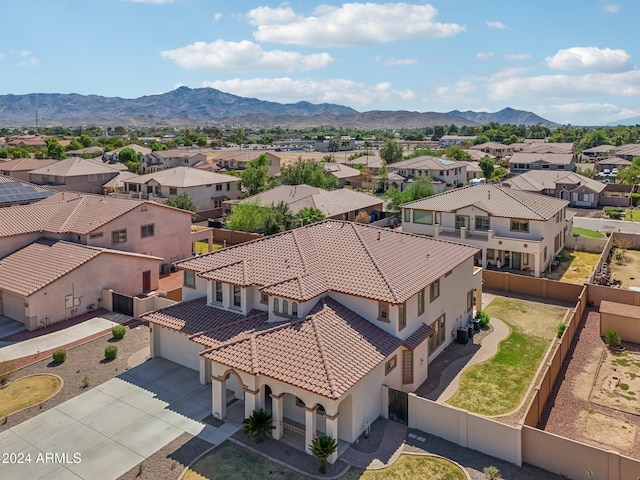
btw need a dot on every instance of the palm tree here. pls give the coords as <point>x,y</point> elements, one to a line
<point>309,215</point>
<point>323,447</point>
<point>259,425</point>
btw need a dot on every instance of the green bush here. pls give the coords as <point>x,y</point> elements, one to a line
<point>612,338</point>
<point>118,331</point>
<point>111,352</point>
<point>60,355</point>
<point>483,318</point>
<point>614,213</point>
<point>635,198</point>
<point>560,329</point>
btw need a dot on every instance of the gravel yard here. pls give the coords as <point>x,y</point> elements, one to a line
<point>86,360</point>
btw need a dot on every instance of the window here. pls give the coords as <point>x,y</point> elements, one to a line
<point>276,305</point>
<point>545,254</point>
<point>391,364</point>
<point>96,235</point>
<point>173,191</point>
<point>218,187</point>
<point>439,334</point>
<point>402,316</point>
<point>420,216</point>
<point>407,366</point>
<point>421,299</point>
<point>217,204</point>
<point>147,230</point>
<point>218,293</point>
<point>438,218</point>
<point>294,309</point>
<point>407,215</point>
<point>560,167</point>
<point>189,279</point>
<point>119,236</point>
<point>383,312</point>
<point>285,307</point>
<point>584,197</point>
<point>435,290</point>
<point>557,243</point>
<point>469,300</point>
<point>237,296</point>
<point>228,186</point>
<point>519,225</point>
<point>462,221</point>
<point>264,299</point>
<point>482,223</point>
<point>545,166</point>
<point>490,254</point>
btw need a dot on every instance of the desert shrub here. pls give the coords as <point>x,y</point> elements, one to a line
<point>635,198</point>
<point>86,382</point>
<point>483,318</point>
<point>612,338</point>
<point>60,355</point>
<point>6,370</point>
<point>560,329</point>
<point>118,331</point>
<point>492,473</point>
<point>111,352</point>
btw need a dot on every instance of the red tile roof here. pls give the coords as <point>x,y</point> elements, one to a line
<point>345,257</point>
<point>327,352</point>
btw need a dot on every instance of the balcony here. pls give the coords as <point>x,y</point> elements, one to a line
<point>478,235</point>
<point>448,232</point>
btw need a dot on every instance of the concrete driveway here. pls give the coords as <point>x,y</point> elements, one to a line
<point>103,433</point>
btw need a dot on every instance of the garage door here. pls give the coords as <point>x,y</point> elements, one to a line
<point>12,306</point>
<point>178,348</point>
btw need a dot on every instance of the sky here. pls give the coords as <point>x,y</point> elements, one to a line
<point>569,61</point>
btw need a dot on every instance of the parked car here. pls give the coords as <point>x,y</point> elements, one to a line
<point>215,223</point>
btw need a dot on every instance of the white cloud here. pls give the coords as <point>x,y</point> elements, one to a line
<point>2,55</point>
<point>29,62</point>
<point>565,87</point>
<point>349,24</point>
<point>154,2</point>
<point>585,113</point>
<point>338,90</point>
<point>484,55</point>
<point>516,56</point>
<point>611,7</point>
<point>496,25</point>
<point>394,62</point>
<point>589,58</point>
<point>24,53</point>
<point>463,87</point>
<point>244,56</point>
<point>217,17</point>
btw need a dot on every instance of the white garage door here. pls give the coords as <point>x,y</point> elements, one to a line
<point>178,348</point>
<point>12,306</point>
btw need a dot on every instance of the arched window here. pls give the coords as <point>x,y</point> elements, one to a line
<point>285,307</point>
<point>294,309</point>
<point>276,305</point>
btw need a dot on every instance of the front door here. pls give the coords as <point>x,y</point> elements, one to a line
<point>398,406</point>
<point>146,281</point>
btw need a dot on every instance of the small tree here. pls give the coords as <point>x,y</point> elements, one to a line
<point>309,215</point>
<point>255,177</point>
<point>183,201</point>
<point>391,151</point>
<point>110,352</point>
<point>323,447</point>
<point>612,338</point>
<point>60,355</point>
<point>488,167</point>
<point>492,473</point>
<point>259,425</point>
<point>118,332</point>
<point>6,370</point>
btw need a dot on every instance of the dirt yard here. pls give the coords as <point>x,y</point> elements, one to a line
<point>579,267</point>
<point>597,401</point>
<point>628,272</point>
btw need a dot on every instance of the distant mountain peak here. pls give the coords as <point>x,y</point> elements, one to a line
<point>506,115</point>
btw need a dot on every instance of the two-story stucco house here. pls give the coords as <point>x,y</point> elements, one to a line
<point>310,324</point>
<point>444,173</point>
<point>207,189</point>
<point>164,159</point>
<point>74,174</point>
<point>522,162</point>
<point>514,229</point>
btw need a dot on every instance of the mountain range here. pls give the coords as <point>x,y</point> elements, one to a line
<point>201,106</point>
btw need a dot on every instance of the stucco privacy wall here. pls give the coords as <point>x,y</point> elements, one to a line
<point>531,286</point>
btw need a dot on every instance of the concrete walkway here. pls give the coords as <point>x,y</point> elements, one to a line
<point>387,453</point>
<point>488,348</point>
<point>57,339</point>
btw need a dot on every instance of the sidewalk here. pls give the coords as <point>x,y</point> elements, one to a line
<point>488,348</point>
<point>59,338</point>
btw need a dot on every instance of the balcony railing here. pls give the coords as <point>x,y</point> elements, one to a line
<point>449,232</point>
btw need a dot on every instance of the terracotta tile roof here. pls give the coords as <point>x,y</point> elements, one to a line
<point>496,200</point>
<point>339,170</point>
<point>426,162</point>
<point>551,158</point>
<point>40,263</point>
<point>416,338</point>
<point>550,147</point>
<point>538,180</point>
<point>24,164</point>
<point>346,257</point>
<point>74,167</point>
<point>66,212</point>
<point>327,352</point>
<point>183,177</point>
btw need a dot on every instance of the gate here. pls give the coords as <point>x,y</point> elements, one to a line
<point>122,304</point>
<point>398,406</point>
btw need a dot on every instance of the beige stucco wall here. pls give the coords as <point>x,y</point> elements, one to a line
<point>11,244</point>
<point>172,232</point>
<point>627,327</point>
<point>121,273</point>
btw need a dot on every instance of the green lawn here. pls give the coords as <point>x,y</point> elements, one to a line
<point>203,247</point>
<point>632,215</point>
<point>230,462</point>
<point>585,232</point>
<point>497,386</point>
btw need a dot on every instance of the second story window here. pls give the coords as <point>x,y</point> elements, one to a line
<point>294,309</point>
<point>218,292</point>
<point>420,216</point>
<point>462,221</point>
<point>264,299</point>
<point>402,316</point>
<point>520,225</point>
<point>119,236</point>
<point>218,187</point>
<point>482,223</point>
<point>276,305</point>
<point>237,296</point>
<point>421,299</point>
<point>407,215</point>
<point>189,279</point>
<point>383,312</point>
<point>147,231</point>
<point>434,290</point>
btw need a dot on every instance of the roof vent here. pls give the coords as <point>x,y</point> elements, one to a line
<point>379,233</point>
